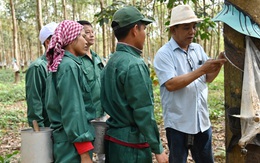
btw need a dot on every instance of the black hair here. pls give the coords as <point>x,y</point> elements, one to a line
<point>84,22</point>
<point>49,38</point>
<point>121,33</point>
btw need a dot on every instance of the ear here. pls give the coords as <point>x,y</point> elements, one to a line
<point>172,30</point>
<point>135,30</point>
<point>46,43</point>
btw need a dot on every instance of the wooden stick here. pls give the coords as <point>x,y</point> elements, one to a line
<point>36,127</point>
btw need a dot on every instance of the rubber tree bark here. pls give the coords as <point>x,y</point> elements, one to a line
<point>235,49</point>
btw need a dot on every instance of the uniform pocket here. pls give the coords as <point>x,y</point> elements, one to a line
<point>89,73</point>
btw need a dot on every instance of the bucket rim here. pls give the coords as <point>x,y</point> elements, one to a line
<point>42,130</point>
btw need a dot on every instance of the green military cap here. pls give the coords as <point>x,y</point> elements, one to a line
<point>126,16</point>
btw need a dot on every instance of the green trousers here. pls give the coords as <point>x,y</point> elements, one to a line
<point>118,153</point>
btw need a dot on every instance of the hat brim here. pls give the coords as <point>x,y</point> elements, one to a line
<point>197,20</point>
<point>147,21</point>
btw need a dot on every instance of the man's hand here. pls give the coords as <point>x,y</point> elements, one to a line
<point>212,65</point>
<point>162,158</point>
<point>221,55</point>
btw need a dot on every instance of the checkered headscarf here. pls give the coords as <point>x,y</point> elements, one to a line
<point>65,33</point>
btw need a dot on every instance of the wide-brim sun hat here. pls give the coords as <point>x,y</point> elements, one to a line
<point>183,14</point>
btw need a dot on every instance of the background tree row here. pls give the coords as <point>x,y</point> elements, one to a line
<point>20,25</point>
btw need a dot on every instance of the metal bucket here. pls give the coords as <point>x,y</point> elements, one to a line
<point>100,131</point>
<point>36,146</point>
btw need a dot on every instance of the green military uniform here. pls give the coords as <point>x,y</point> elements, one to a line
<point>35,92</point>
<point>92,68</point>
<point>66,93</point>
<point>127,96</point>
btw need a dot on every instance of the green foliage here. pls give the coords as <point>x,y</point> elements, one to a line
<point>8,157</point>
<point>157,105</point>
<point>154,77</point>
<point>10,92</point>
<point>172,3</point>
<point>6,76</point>
<point>157,100</point>
<point>107,13</point>
<point>13,116</point>
<point>203,29</point>
<point>10,117</point>
<point>216,97</point>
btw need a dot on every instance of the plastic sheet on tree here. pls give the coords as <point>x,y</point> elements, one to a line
<point>239,21</point>
<point>250,103</point>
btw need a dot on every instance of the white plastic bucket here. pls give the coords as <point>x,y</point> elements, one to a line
<point>36,146</point>
<point>100,131</point>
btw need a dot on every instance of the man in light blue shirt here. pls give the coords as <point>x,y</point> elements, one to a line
<point>183,70</point>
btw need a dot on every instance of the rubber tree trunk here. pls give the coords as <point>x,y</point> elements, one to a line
<point>15,42</point>
<point>235,50</point>
<point>39,23</point>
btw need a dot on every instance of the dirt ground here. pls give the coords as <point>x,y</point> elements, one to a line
<point>11,138</point>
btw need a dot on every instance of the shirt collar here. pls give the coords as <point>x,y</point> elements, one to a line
<point>121,46</point>
<point>175,46</point>
<point>93,54</point>
<point>43,57</point>
<point>73,57</point>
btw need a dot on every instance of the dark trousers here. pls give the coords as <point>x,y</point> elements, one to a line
<point>201,150</point>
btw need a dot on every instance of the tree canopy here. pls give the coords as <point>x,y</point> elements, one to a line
<point>30,16</point>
